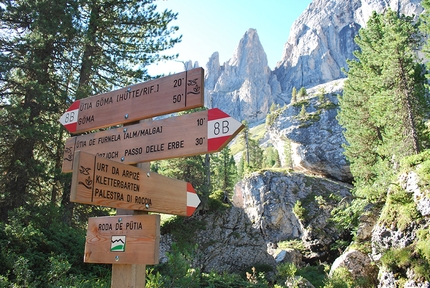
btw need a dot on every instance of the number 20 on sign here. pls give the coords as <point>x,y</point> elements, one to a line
<point>165,95</point>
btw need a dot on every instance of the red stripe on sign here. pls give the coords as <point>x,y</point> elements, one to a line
<point>190,188</point>
<point>215,113</point>
<point>215,143</point>
<point>190,210</point>
<point>71,127</point>
<point>75,105</point>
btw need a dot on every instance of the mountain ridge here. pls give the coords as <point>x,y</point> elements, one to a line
<point>319,43</point>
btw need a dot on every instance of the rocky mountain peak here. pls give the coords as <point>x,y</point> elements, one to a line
<point>241,86</point>
<point>249,54</point>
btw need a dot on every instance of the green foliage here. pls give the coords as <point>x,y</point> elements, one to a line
<point>224,280</point>
<point>182,228</point>
<point>271,158</point>
<point>223,173</point>
<point>63,51</point>
<point>421,163</point>
<point>399,260</point>
<point>299,210</point>
<point>423,240</point>
<point>178,272</point>
<point>324,103</point>
<point>288,153</point>
<point>399,208</point>
<point>294,95</point>
<point>346,215</point>
<point>302,115</point>
<point>341,278</point>
<point>273,115</point>
<point>292,244</point>
<point>154,279</point>
<point>302,93</point>
<point>289,272</point>
<point>314,274</point>
<point>192,169</point>
<point>384,102</point>
<point>396,257</point>
<point>285,271</point>
<point>34,254</point>
<point>218,201</point>
<point>321,95</point>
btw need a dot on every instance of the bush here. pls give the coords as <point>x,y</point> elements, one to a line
<point>34,254</point>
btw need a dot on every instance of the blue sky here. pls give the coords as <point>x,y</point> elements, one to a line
<point>209,26</point>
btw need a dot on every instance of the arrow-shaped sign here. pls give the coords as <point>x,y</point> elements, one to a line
<point>99,181</point>
<point>186,135</point>
<point>161,96</point>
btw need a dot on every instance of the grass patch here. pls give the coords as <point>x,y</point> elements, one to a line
<point>399,208</point>
<point>257,132</point>
<point>292,244</point>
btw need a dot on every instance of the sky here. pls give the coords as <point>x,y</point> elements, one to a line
<point>209,26</point>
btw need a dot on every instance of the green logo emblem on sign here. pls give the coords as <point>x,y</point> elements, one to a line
<point>117,244</point>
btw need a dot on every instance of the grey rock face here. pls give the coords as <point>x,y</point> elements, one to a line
<point>321,39</point>
<point>316,143</point>
<point>421,198</point>
<point>269,199</point>
<point>356,262</point>
<point>228,243</point>
<point>244,86</point>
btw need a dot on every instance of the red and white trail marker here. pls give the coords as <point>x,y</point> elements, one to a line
<point>192,200</point>
<point>181,136</point>
<point>221,127</point>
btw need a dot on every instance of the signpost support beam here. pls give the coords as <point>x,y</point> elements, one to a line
<point>130,275</point>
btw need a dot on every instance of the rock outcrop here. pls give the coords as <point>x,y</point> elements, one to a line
<point>322,39</point>
<point>244,86</point>
<point>228,243</point>
<point>312,142</point>
<point>285,206</point>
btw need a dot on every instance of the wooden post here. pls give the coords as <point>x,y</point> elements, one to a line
<point>130,275</point>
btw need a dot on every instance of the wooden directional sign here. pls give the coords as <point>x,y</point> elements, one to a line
<point>165,95</point>
<point>191,134</point>
<point>123,240</point>
<point>99,181</point>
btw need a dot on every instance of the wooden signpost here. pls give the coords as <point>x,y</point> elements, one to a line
<point>191,134</point>
<point>99,181</point>
<point>161,96</point>
<point>102,174</point>
<point>123,239</point>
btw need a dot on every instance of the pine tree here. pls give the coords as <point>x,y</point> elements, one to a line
<point>294,95</point>
<point>224,172</point>
<point>302,93</point>
<point>53,53</point>
<point>302,114</point>
<point>383,101</point>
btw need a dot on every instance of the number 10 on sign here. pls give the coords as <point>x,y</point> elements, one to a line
<point>186,135</point>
